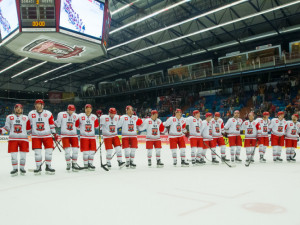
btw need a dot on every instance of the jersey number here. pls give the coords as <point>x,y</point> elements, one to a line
<point>17,128</point>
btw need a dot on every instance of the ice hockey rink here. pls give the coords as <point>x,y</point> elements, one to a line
<point>211,194</point>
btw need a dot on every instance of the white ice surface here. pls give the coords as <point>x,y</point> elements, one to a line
<point>260,194</point>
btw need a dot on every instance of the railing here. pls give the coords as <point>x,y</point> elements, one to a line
<point>254,64</point>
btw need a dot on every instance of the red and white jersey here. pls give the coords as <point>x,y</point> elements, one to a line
<point>87,125</point>
<point>207,130</point>
<point>264,125</point>
<point>42,124</point>
<point>252,129</point>
<point>153,128</point>
<point>67,124</point>
<point>129,125</point>
<point>17,126</point>
<point>218,127</point>
<point>233,126</point>
<point>109,125</point>
<point>292,130</point>
<point>176,126</point>
<point>278,126</point>
<point>194,126</point>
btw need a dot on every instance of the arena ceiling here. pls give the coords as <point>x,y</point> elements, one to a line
<point>151,35</point>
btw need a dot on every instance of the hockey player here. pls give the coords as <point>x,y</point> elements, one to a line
<point>292,134</point>
<point>277,127</point>
<point>129,123</point>
<point>154,128</point>
<point>66,121</point>
<point>193,125</point>
<point>263,137</point>
<point>218,130</point>
<point>43,132</point>
<point>87,123</point>
<point>252,129</point>
<point>208,141</point>
<point>176,126</point>
<point>17,125</point>
<point>232,129</point>
<point>108,124</point>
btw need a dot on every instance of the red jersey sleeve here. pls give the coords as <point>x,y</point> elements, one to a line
<point>139,122</point>
<point>184,125</point>
<point>28,126</point>
<point>96,124</point>
<point>77,123</point>
<point>161,127</point>
<point>51,121</point>
<point>222,126</point>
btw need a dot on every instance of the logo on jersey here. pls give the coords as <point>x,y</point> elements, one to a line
<point>92,118</point>
<point>178,128</point>
<point>40,126</point>
<point>88,128</point>
<point>130,127</point>
<point>45,115</point>
<point>194,120</point>
<point>17,128</point>
<point>112,128</point>
<point>150,122</point>
<point>83,118</point>
<point>126,118</point>
<point>65,116</point>
<point>154,131</point>
<point>69,126</point>
<point>11,118</point>
<point>74,117</point>
<point>250,131</point>
<point>106,119</point>
<point>24,118</point>
<point>174,120</point>
<point>33,116</point>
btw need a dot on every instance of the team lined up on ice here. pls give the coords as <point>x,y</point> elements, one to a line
<point>203,135</point>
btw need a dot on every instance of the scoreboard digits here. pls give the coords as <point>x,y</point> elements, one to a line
<point>38,13</point>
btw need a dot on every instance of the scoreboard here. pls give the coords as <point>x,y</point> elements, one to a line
<point>37,13</point>
<point>59,31</point>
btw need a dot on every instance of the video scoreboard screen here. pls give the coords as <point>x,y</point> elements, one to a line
<point>84,17</point>
<point>37,13</point>
<point>8,18</point>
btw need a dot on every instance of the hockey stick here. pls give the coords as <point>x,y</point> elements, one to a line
<point>252,155</point>
<point>103,166</point>
<point>218,156</point>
